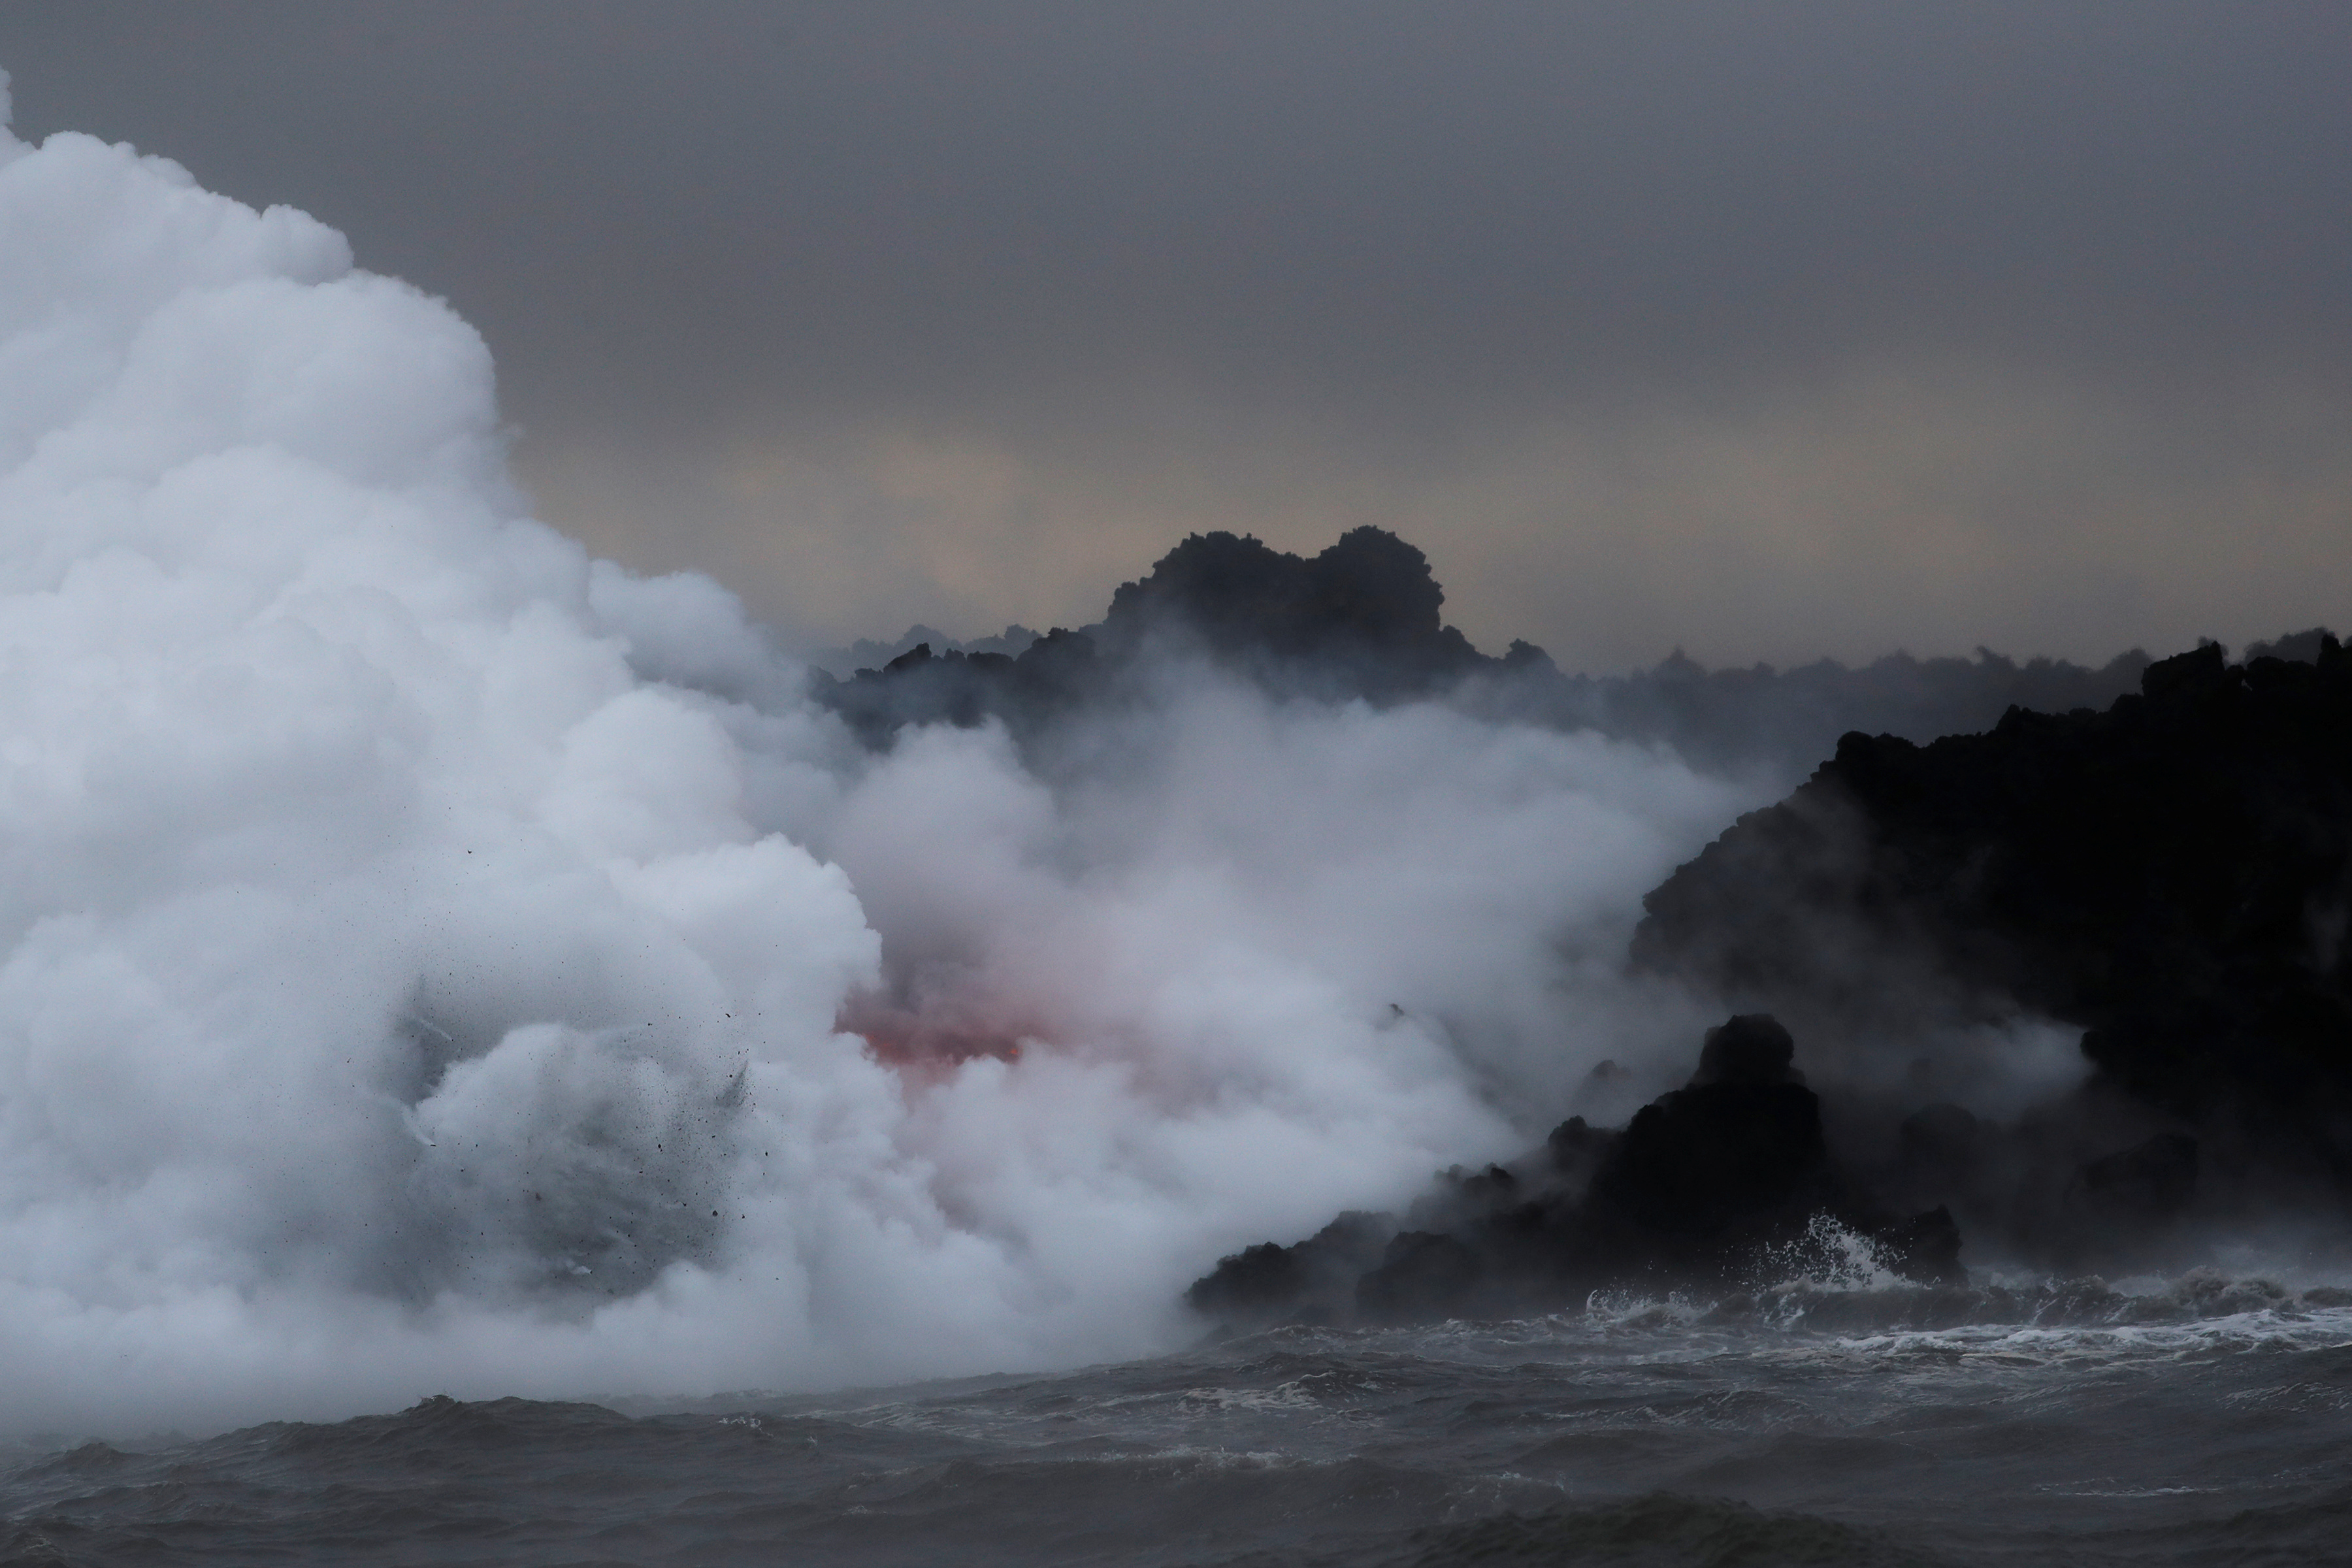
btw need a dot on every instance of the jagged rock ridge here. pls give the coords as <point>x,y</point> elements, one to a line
<point>1361,619</point>
<point>1364,620</point>
<point>2174,876</point>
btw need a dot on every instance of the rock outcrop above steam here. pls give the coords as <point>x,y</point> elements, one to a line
<point>2172,876</point>
<point>1717,1184</point>
<point>1363,619</point>
<point>1360,617</point>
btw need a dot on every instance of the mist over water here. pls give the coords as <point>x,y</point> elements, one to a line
<point>426,949</point>
<point>436,962</point>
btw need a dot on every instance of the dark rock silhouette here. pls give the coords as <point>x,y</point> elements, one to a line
<point>1361,619</point>
<point>1364,620</point>
<point>867,653</point>
<point>1789,718</point>
<point>1363,614</point>
<point>1054,674</point>
<point>1269,1281</point>
<point>1421,1274</point>
<point>1750,1047</point>
<point>2153,1180</point>
<point>2173,876</point>
<point>1696,1161</point>
<point>1723,1182</point>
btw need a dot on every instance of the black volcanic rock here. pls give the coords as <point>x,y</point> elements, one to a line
<point>1052,674</point>
<point>2173,874</point>
<point>1363,614</point>
<point>1421,1275</point>
<point>1361,619</point>
<point>1364,620</point>
<point>1714,1184</point>
<point>1749,1048</point>
<point>2150,1182</point>
<point>1698,1160</point>
<point>1307,1280</point>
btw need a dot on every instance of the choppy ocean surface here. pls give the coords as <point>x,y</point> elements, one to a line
<point>2202,1420</point>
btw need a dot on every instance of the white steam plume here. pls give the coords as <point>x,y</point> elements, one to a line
<point>421,946</point>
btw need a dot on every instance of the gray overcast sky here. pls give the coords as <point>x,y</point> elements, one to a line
<point>1767,329</point>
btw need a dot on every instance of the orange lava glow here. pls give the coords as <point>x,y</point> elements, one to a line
<point>930,1038</point>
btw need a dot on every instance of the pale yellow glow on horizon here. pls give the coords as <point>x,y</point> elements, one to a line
<point>1929,508</point>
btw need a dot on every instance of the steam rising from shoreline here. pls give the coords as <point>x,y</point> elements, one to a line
<point>423,944</point>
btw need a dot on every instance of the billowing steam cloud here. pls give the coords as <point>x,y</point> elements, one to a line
<point>422,947</point>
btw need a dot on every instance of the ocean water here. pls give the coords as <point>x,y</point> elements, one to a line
<point>2202,1420</point>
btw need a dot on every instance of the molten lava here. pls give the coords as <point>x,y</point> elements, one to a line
<point>935,1035</point>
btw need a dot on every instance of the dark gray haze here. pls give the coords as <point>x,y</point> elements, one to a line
<point>1766,331</point>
